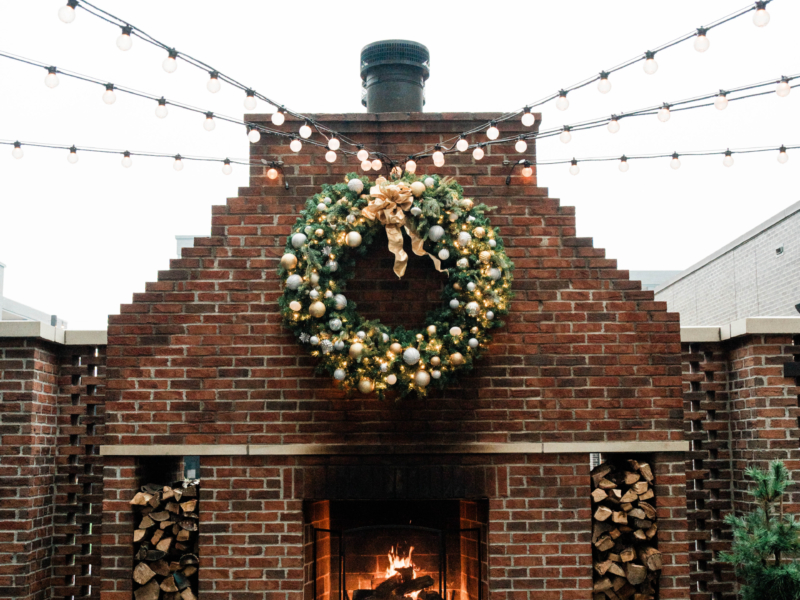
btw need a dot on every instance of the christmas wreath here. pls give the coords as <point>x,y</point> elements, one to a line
<point>340,223</point>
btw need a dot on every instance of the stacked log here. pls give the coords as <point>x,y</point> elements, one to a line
<point>626,560</point>
<point>165,542</point>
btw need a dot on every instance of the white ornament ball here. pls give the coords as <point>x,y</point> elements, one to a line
<point>444,254</point>
<point>332,265</point>
<point>354,239</point>
<point>411,356</point>
<point>339,345</point>
<point>453,217</point>
<point>470,219</point>
<point>298,239</point>
<point>317,309</point>
<point>430,182</point>
<point>355,185</point>
<point>329,294</point>
<point>356,350</point>
<point>321,207</point>
<point>416,211</point>
<point>327,200</point>
<point>455,331</point>
<point>314,340</point>
<point>314,278</point>
<point>422,378</point>
<point>418,188</point>
<point>492,243</point>
<point>339,374</point>
<point>335,324</point>
<point>473,343</point>
<point>495,273</point>
<point>463,263</point>
<point>308,229</point>
<point>431,329</point>
<point>435,233</point>
<point>472,308</point>
<point>391,379</point>
<point>288,261</point>
<point>384,367</point>
<point>341,301</point>
<point>294,281</point>
<point>314,294</point>
<point>319,233</point>
<point>466,203</point>
<point>479,232</point>
<point>365,386</point>
<point>362,334</point>
<point>385,337</point>
<point>456,358</point>
<point>471,287</point>
<point>464,239</point>
<point>436,374</point>
<point>454,304</point>
<point>489,315</point>
<point>351,219</point>
<point>295,305</point>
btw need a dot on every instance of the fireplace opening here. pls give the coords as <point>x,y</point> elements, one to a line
<point>398,550</point>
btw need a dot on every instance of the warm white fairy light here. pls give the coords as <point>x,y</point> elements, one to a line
<point>623,164</point>
<point>51,79</point>
<point>278,117</point>
<point>213,84</point>
<point>170,64</point>
<point>675,163</point>
<point>227,169</point>
<point>478,152</point>
<point>650,65</point>
<point>109,97</point>
<point>438,157</point>
<point>664,114</point>
<point>272,173</point>
<point>493,132</point>
<point>126,160</point>
<point>366,165</point>
<point>527,170</point>
<point>701,43</point>
<point>250,100</point>
<point>161,109</point>
<point>562,103</point>
<point>254,135</point>
<point>721,101</point>
<point>305,131</point>
<point>376,164</point>
<point>330,156</point>
<point>521,145</point>
<point>574,169</point>
<point>72,157</point>
<point>527,118</point>
<point>462,144</point>
<point>604,85</point>
<point>783,157</point>
<point>178,164</point>
<point>333,143</point>
<point>728,159</point>
<point>565,136</point>
<point>761,16</point>
<point>124,41</point>
<point>783,88</point>
<point>295,145</point>
<point>411,166</point>
<point>67,13</point>
<point>209,123</point>
<point>362,155</point>
<point>613,125</point>
<point>17,152</point>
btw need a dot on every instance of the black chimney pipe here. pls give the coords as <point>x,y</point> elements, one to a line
<point>393,74</point>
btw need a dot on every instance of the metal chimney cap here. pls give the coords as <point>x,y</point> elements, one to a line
<point>403,52</point>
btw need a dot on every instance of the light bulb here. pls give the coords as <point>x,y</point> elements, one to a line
<point>701,42</point>
<point>477,153</point>
<point>272,173</point>
<point>51,80</point>
<point>250,100</point>
<point>411,166</point>
<point>664,114</point>
<point>527,118</point>
<point>438,158</point>
<point>330,156</point>
<point>604,85</point>
<point>72,157</point>
<point>278,117</point>
<point>566,136</point>
<point>213,84</point>
<point>728,160</point>
<point>161,109</point>
<point>333,143</point>
<point>613,126</point>
<point>623,165</point>
<point>527,171</point>
<point>783,157</point>
<point>126,160</point>
<point>675,163</point>
<point>170,64</point>
<point>650,64</point>
<point>124,41</point>
<point>362,155</point>
<point>178,164</point>
<point>305,132</point>
<point>462,144</point>
<point>721,101</point>
<point>254,135</point>
<point>295,145</point>
<point>562,103</point>
<point>492,132</point>
<point>227,169</point>
<point>761,16</point>
<point>574,169</point>
<point>109,97</point>
<point>67,13</point>
<point>209,123</point>
<point>376,164</point>
<point>18,153</point>
<point>366,165</point>
<point>521,146</point>
<point>783,88</point>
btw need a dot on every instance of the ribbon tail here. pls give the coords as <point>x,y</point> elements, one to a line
<point>417,244</point>
<point>395,235</point>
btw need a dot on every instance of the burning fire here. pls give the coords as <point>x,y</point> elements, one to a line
<point>396,562</point>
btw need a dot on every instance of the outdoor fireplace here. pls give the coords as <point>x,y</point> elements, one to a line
<point>416,550</point>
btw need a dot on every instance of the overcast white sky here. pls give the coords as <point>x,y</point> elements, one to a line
<point>78,240</point>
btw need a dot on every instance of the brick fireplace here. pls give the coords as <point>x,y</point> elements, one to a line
<point>199,365</point>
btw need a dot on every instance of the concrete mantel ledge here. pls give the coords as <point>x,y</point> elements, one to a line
<point>37,329</point>
<point>344,449</point>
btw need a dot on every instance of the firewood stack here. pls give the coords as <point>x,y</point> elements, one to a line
<point>626,561</point>
<point>165,542</point>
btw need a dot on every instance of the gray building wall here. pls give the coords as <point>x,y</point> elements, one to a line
<point>756,275</point>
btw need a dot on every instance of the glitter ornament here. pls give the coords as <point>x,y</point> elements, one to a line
<point>298,239</point>
<point>355,185</point>
<point>335,324</point>
<point>479,232</point>
<point>341,301</point>
<point>319,233</point>
<point>339,374</point>
<point>411,356</point>
<point>464,239</point>
<point>332,266</point>
<point>472,308</point>
<point>435,233</point>
<point>321,207</point>
<point>294,281</point>
<point>495,273</point>
<point>314,278</point>
<point>430,182</point>
<point>492,243</point>
<point>317,309</point>
<point>314,294</point>
<point>362,334</point>
<point>444,254</point>
<point>485,256</point>
<point>288,261</point>
<point>463,263</point>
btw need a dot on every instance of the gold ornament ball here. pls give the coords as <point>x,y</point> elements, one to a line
<point>422,378</point>
<point>466,203</point>
<point>396,348</point>
<point>456,358</point>
<point>485,256</point>
<point>355,350</point>
<point>419,337</point>
<point>319,233</point>
<point>474,330</point>
<point>288,261</point>
<point>457,286</point>
<point>354,239</point>
<point>436,361</point>
<point>431,329</point>
<point>365,386</point>
<point>317,309</point>
<point>295,305</point>
<point>417,188</point>
<point>479,232</point>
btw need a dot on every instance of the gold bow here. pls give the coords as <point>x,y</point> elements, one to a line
<point>387,203</point>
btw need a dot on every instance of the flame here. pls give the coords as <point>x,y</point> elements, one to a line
<point>401,562</point>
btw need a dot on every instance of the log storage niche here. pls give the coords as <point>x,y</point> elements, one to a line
<point>165,553</point>
<point>625,558</point>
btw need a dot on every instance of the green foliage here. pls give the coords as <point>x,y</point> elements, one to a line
<point>325,273</point>
<point>766,541</point>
